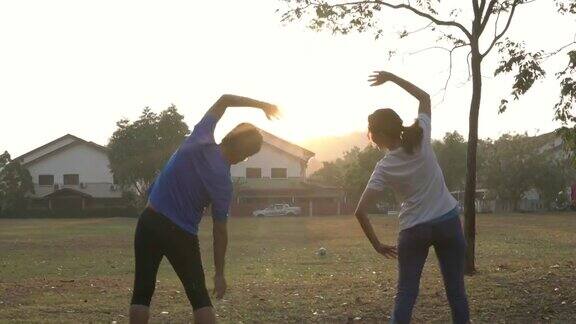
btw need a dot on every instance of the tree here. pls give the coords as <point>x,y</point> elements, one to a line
<point>138,150</point>
<point>565,105</point>
<point>516,164</point>
<point>15,185</point>
<point>451,155</point>
<point>352,171</point>
<point>360,16</point>
<point>511,169</point>
<point>552,178</point>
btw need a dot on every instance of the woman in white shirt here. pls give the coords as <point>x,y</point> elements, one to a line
<point>428,215</point>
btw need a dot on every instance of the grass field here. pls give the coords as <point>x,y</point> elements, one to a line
<point>80,270</point>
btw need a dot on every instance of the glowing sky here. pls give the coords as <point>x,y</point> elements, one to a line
<point>78,66</point>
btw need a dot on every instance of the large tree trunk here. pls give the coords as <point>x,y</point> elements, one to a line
<point>470,193</point>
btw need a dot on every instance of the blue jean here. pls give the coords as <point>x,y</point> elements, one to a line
<point>413,244</point>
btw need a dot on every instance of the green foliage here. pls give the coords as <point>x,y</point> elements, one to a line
<point>138,150</point>
<point>451,155</point>
<point>566,6</point>
<point>568,134</point>
<point>340,19</point>
<point>509,171</point>
<point>352,172</point>
<point>103,212</point>
<point>565,107</point>
<point>527,65</point>
<point>518,163</point>
<point>361,16</point>
<point>552,177</point>
<point>508,167</point>
<point>15,185</point>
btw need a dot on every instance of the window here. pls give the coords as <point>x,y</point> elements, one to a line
<point>279,173</point>
<point>46,179</point>
<point>71,179</point>
<point>253,173</point>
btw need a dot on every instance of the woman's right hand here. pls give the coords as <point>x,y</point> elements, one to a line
<point>387,251</point>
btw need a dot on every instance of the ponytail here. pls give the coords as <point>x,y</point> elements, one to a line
<point>411,137</point>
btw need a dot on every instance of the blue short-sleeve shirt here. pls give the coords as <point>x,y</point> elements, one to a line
<point>196,176</point>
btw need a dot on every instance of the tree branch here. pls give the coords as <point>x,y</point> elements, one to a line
<point>487,15</point>
<point>469,67</point>
<point>561,49</point>
<point>482,5</point>
<point>450,52</point>
<point>476,7</point>
<point>415,11</point>
<point>450,70</point>
<point>497,38</point>
<point>418,30</point>
<point>496,24</point>
<point>430,48</point>
<point>553,53</point>
<point>429,17</point>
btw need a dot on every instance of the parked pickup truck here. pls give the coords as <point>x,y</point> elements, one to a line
<point>277,210</point>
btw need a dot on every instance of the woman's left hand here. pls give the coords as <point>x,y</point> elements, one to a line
<point>380,77</point>
<point>387,251</point>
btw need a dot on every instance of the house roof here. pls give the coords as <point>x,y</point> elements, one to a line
<point>73,141</point>
<point>288,147</point>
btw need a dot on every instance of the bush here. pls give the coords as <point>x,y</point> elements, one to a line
<point>76,213</point>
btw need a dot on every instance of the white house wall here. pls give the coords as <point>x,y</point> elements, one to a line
<point>90,164</point>
<point>268,158</point>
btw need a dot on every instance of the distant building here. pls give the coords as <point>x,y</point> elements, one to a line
<point>277,174</point>
<point>71,173</point>
<point>551,144</point>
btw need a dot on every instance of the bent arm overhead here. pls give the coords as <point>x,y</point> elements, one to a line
<point>228,100</point>
<point>381,77</point>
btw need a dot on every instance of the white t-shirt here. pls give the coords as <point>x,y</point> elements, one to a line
<point>416,179</point>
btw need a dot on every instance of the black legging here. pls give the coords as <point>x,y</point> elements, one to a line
<point>156,236</point>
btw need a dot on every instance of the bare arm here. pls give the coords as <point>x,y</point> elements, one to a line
<point>220,233</point>
<point>368,198</point>
<point>381,77</point>
<point>228,100</point>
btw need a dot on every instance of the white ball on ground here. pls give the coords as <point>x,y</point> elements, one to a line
<point>321,251</point>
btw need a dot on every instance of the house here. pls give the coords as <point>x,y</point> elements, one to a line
<point>277,174</point>
<point>71,173</point>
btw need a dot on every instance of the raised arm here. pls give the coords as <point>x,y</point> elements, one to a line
<point>381,77</point>
<point>228,100</point>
